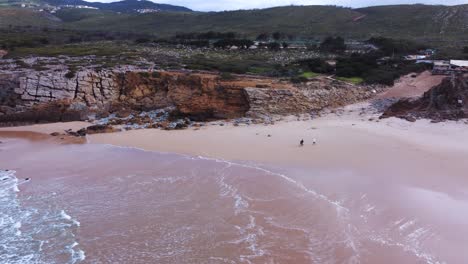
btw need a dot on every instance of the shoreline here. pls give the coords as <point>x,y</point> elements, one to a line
<point>339,138</point>
<point>380,173</point>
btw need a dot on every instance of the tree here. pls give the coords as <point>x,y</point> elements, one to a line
<point>263,37</point>
<point>240,43</point>
<point>277,35</point>
<point>274,46</point>
<point>391,47</point>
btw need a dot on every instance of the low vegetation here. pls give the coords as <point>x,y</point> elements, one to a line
<point>366,68</point>
<point>353,80</point>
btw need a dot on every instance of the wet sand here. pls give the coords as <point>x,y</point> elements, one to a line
<point>367,192</point>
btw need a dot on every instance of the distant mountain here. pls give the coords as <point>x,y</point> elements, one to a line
<point>125,6</point>
<point>139,6</point>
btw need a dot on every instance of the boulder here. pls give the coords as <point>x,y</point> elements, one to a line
<point>97,129</point>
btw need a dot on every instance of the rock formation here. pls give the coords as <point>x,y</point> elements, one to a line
<point>61,95</point>
<point>446,101</point>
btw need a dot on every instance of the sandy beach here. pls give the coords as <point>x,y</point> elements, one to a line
<point>376,191</point>
<point>336,135</point>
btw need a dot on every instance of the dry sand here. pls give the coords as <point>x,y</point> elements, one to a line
<point>49,128</point>
<point>408,86</point>
<point>333,136</point>
<point>42,132</point>
<point>349,138</point>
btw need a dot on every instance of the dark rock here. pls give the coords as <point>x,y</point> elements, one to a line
<point>54,134</point>
<point>410,118</point>
<point>82,132</point>
<point>446,101</point>
<point>96,129</point>
<point>124,113</point>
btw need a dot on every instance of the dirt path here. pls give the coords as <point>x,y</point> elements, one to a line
<point>408,86</point>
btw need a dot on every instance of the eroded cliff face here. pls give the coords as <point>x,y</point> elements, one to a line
<point>198,96</point>
<point>446,101</point>
<point>194,95</point>
<point>52,96</point>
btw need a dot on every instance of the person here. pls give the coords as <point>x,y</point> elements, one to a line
<point>301,142</point>
<point>314,141</point>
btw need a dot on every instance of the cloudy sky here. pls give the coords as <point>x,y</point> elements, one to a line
<point>220,5</point>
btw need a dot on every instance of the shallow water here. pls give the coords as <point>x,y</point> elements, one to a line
<point>105,204</point>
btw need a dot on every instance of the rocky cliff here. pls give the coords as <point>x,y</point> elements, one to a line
<point>446,101</point>
<point>51,96</point>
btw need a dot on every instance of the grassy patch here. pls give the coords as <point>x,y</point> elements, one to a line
<point>353,80</point>
<point>309,74</point>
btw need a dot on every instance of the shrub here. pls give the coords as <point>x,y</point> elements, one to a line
<point>70,74</point>
<point>142,40</point>
<point>317,65</point>
<point>144,74</point>
<point>299,79</point>
<point>274,46</point>
<point>226,76</point>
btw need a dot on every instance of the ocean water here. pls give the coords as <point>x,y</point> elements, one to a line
<point>34,234</point>
<point>106,204</point>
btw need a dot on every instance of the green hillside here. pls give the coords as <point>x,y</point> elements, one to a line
<point>401,21</point>
<point>27,17</point>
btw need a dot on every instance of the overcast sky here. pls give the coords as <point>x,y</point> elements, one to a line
<point>220,5</point>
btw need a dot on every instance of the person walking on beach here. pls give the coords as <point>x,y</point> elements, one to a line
<point>301,143</point>
<point>314,141</point>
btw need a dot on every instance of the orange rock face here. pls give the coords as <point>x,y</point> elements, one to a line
<point>194,95</point>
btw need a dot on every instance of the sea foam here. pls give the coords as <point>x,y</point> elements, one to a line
<point>21,227</point>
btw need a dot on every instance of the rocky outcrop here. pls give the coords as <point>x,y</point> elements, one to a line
<point>327,92</point>
<point>199,96</point>
<point>267,101</point>
<point>446,101</point>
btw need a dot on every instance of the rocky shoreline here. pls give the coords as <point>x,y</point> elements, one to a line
<point>133,98</point>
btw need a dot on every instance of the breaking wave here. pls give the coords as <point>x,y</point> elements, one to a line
<point>33,235</point>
